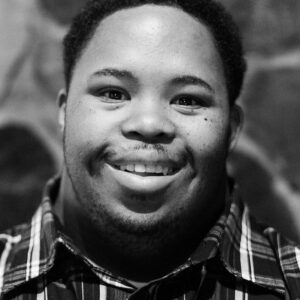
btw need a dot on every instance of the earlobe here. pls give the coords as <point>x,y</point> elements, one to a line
<point>236,122</point>
<point>62,102</point>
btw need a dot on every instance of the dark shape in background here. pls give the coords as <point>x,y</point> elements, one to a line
<point>62,10</point>
<point>25,164</point>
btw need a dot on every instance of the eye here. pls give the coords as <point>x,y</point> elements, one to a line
<point>187,101</point>
<point>111,95</point>
<point>115,94</point>
<point>190,102</point>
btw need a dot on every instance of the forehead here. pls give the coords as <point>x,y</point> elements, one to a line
<point>159,23</point>
<point>152,20</point>
<point>154,37</point>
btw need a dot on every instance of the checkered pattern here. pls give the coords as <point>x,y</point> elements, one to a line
<point>237,260</point>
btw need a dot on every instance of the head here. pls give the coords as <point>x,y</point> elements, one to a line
<point>148,119</point>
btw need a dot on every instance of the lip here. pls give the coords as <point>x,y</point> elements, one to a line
<point>141,183</point>
<point>147,169</point>
<point>145,157</point>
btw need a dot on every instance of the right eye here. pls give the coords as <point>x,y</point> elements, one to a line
<point>112,95</point>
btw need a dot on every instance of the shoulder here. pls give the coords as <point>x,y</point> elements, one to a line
<point>11,246</point>
<point>288,257</point>
<point>259,254</point>
<point>10,237</point>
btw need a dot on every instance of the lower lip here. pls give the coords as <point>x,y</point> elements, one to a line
<point>141,184</point>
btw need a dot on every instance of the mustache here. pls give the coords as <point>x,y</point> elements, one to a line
<point>151,151</point>
<point>155,150</point>
<point>148,147</point>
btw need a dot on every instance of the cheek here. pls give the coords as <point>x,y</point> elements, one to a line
<point>85,126</point>
<point>207,135</point>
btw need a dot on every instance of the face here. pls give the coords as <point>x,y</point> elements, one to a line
<point>147,122</point>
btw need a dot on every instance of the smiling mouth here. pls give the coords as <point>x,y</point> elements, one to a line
<point>146,169</point>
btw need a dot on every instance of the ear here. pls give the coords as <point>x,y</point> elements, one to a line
<point>236,122</point>
<point>62,103</point>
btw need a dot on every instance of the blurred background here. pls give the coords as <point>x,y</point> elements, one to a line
<point>266,160</point>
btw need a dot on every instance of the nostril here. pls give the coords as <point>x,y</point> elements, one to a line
<point>148,137</point>
<point>149,128</point>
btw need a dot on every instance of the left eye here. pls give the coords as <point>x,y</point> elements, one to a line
<point>189,102</point>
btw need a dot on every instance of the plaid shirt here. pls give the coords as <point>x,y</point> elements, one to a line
<point>236,260</point>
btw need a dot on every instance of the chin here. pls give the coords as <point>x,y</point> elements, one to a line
<point>135,223</point>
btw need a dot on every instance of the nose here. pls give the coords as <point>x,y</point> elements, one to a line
<point>149,122</point>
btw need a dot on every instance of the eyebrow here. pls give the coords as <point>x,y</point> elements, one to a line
<point>192,80</point>
<point>120,74</point>
<point>180,80</point>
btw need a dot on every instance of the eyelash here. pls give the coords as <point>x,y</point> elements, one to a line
<point>109,94</point>
<point>196,101</point>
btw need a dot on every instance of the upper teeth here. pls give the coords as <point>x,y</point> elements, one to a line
<point>141,168</point>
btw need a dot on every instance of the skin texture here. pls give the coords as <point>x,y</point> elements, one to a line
<point>146,91</point>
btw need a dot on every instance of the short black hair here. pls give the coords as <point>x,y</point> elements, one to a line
<point>209,12</point>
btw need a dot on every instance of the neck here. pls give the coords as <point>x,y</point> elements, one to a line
<point>139,258</point>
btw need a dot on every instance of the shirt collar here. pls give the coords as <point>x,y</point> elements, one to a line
<point>234,238</point>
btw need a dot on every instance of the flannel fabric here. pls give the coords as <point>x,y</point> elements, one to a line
<point>237,260</point>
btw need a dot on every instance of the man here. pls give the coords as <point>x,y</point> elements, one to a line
<point>143,208</point>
